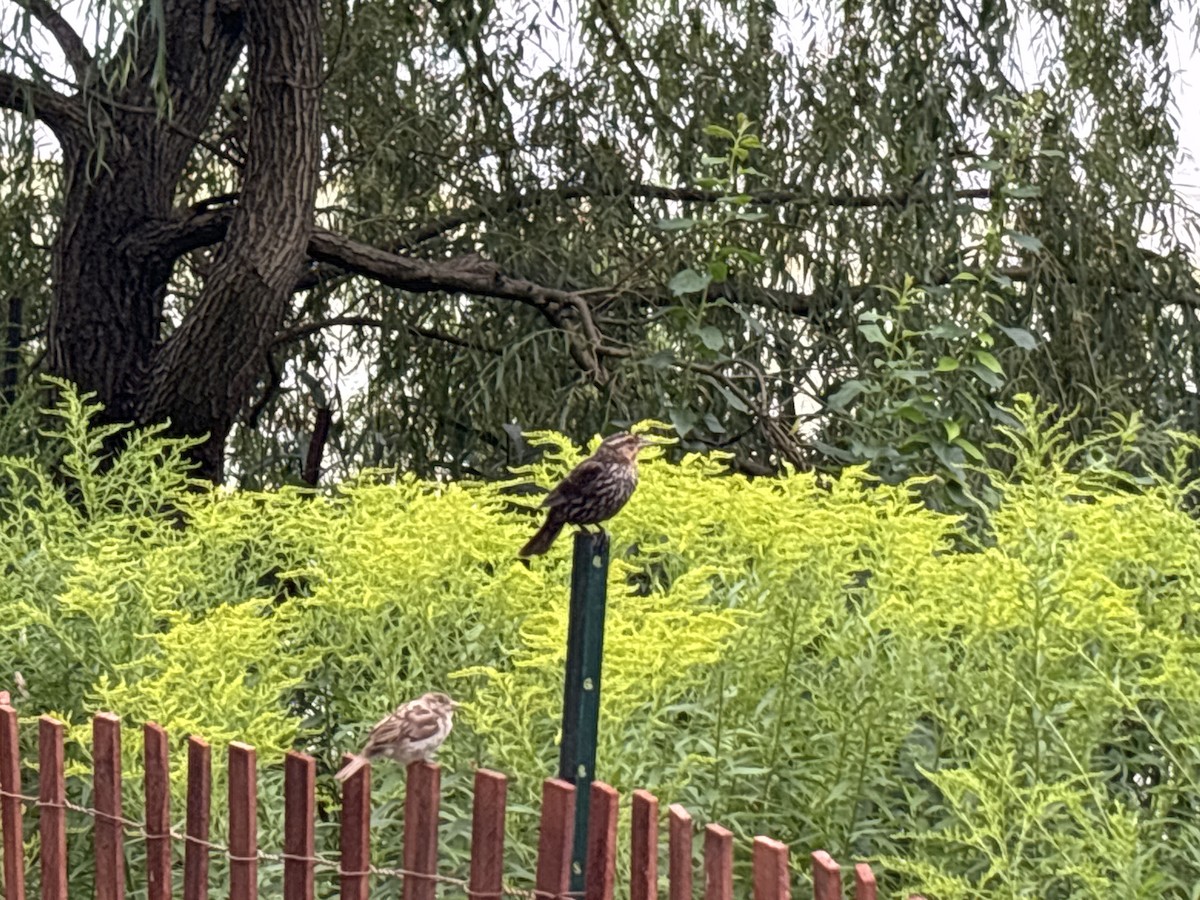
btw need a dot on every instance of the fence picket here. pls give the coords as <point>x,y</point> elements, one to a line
<point>299,795</point>
<point>10,806</point>
<point>827,877</point>
<point>770,870</point>
<point>52,816</point>
<point>487,833</point>
<point>864,883</point>
<point>601,871</point>
<point>243,822</point>
<point>643,847</point>
<point>421,802</point>
<point>718,863</point>
<point>355,834</point>
<point>108,832</point>
<point>158,812</point>
<point>199,791</point>
<point>679,850</point>
<point>554,838</point>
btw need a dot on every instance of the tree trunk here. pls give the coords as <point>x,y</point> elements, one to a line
<point>106,326</point>
<point>202,376</point>
<point>107,313</point>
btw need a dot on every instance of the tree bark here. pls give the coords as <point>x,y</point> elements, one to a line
<point>106,325</point>
<point>107,312</point>
<point>202,374</point>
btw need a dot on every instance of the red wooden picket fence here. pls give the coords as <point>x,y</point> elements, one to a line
<point>421,879</point>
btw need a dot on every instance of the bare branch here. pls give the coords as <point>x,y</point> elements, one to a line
<point>467,275</point>
<point>62,114</point>
<point>464,274</point>
<point>69,42</point>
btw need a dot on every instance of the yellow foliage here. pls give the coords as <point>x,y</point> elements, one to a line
<point>821,658</point>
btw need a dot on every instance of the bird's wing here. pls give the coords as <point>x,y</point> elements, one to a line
<point>421,723</point>
<point>580,475</point>
<point>414,721</point>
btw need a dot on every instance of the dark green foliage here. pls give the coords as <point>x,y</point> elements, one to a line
<point>1026,190</point>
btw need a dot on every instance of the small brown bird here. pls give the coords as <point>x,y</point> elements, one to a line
<point>595,490</point>
<point>413,732</point>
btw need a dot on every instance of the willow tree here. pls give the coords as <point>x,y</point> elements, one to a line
<point>436,224</point>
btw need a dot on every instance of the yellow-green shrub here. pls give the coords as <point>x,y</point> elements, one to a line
<point>998,708</point>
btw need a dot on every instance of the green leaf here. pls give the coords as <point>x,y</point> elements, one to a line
<point>713,424</point>
<point>985,375</point>
<point>873,334</point>
<point>1026,241</point>
<point>950,456</point>
<point>689,281</point>
<point>718,270</point>
<point>952,428</point>
<point>733,399</point>
<point>682,223</point>
<point>987,359</point>
<point>1021,191</point>
<point>682,419</point>
<point>1019,336</point>
<point>840,398</point>
<point>711,336</point>
<point>910,413</point>
<point>971,450</point>
<point>950,330</point>
<point>718,131</point>
<point>905,372</point>
<point>946,364</point>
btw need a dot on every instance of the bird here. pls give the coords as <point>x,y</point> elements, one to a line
<point>595,490</point>
<point>413,732</point>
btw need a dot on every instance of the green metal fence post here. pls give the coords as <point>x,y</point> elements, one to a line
<point>581,691</point>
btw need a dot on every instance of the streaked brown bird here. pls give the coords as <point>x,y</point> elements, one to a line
<point>413,732</point>
<point>595,490</point>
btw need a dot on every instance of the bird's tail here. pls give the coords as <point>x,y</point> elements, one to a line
<point>356,763</point>
<point>540,542</point>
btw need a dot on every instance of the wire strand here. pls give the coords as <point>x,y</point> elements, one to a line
<point>320,862</point>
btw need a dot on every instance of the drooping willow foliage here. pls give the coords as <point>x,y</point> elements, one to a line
<point>745,283</point>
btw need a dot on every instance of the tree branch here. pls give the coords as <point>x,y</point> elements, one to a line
<point>69,42</point>
<point>463,274</point>
<point>62,114</point>
<point>527,199</point>
<point>203,227</point>
<point>467,275</point>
